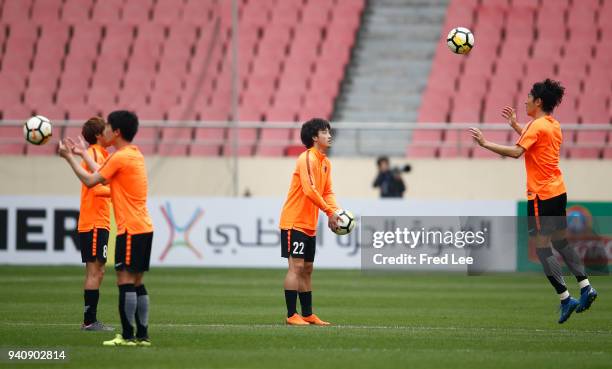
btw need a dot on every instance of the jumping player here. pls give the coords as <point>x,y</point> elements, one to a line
<point>540,140</point>
<point>310,190</point>
<point>94,226</point>
<point>125,171</point>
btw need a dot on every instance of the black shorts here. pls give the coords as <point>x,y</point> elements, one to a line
<point>298,245</point>
<point>94,245</point>
<point>133,252</point>
<point>547,216</point>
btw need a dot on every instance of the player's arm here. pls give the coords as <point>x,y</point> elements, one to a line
<point>101,190</point>
<point>328,194</point>
<point>330,198</point>
<point>88,179</point>
<point>80,150</point>
<point>511,151</point>
<point>510,114</point>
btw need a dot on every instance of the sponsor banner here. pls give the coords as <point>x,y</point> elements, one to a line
<point>589,231</point>
<point>193,231</point>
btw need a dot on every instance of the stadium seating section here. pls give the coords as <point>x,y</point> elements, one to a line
<point>171,60</point>
<point>519,42</point>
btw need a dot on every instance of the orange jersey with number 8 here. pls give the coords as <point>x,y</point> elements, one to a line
<point>95,201</point>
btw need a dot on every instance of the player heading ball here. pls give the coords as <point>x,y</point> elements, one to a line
<point>309,192</point>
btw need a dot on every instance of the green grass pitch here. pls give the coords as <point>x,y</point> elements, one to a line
<point>233,318</point>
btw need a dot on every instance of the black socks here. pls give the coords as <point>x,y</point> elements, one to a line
<point>91,298</point>
<point>291,301</point>
<point>306,302</point>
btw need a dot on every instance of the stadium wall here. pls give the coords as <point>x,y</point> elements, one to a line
<point>458,179</point>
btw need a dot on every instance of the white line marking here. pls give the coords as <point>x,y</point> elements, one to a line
<point>373,327</point>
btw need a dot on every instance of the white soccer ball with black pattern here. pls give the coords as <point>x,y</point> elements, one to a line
<point>460,40</point>
<point>37,130</point>
<point>346,223</point>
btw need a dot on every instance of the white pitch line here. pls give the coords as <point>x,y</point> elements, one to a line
<point>365,327</point>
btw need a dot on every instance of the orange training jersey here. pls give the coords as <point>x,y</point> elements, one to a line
<point>541,139</point>
<point>310,190</point>
<point>95,201</point>
<point>126,172</point>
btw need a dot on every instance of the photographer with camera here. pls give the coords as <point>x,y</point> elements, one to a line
<point>390,180</point>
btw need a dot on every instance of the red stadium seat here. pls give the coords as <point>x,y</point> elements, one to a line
<point>50,148</point>
<point>107,11</point>
<point>466,108</point>
<point>14,11</point>
<point>197,11</point>
<point>263,150</point>
<point>480,153</point>
<point>455,151</point>
<point>199,149</point>
<point>242,150</point>
<point>11,140</point>
<point>77,11</point>
<point>165,60</point>
<point>294,150</point>
<point>16,112</point>
<point>413,151</point>
<point>167,11</point>
<point>584,153</point>
<point>137,12</point>
<point>47,10</point>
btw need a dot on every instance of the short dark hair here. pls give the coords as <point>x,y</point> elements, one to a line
<point>311,129</point>
<point>124,121</point>
<point>550,92</point>
<point>93,127</point>
<point>381,159</point>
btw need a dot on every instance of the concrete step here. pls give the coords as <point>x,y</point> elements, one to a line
<point>403,3</point>
<point>386,31</point>
<point>377,116</point>
<point>414,13</point>
<point>391,66</point>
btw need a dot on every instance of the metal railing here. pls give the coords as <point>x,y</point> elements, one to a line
<point>362,132</point>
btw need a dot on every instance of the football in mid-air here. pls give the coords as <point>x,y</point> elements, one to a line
<point>460,40</point>
<point>37,130</point>
<point>346,223</point>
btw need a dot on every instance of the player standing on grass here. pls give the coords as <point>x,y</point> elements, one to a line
<point>540,140</point>
<point>125,171</point>
<point>94,226</point>
<point>310,190</point>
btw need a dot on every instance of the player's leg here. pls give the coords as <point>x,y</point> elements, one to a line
<point>588,294</point>
<point>141,246</point>
<point>295,266</point>
<point>93,254</point>
<point>142,312</point>
<point>571,258</point>
<point>291,285</point>
<point>542,227</point>
<point>305,287</point>
<point>94,273</point>
<point>127,293</point>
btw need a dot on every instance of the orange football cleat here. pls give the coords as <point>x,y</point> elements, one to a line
<point>296,319</point>
<point>313,319</point>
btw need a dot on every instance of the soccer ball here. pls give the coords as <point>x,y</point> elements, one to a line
<point>37,130</point>
<point>346,223</point>
<point>460,40</point>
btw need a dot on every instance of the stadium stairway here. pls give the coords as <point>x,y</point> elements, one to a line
<point>388,72</point>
